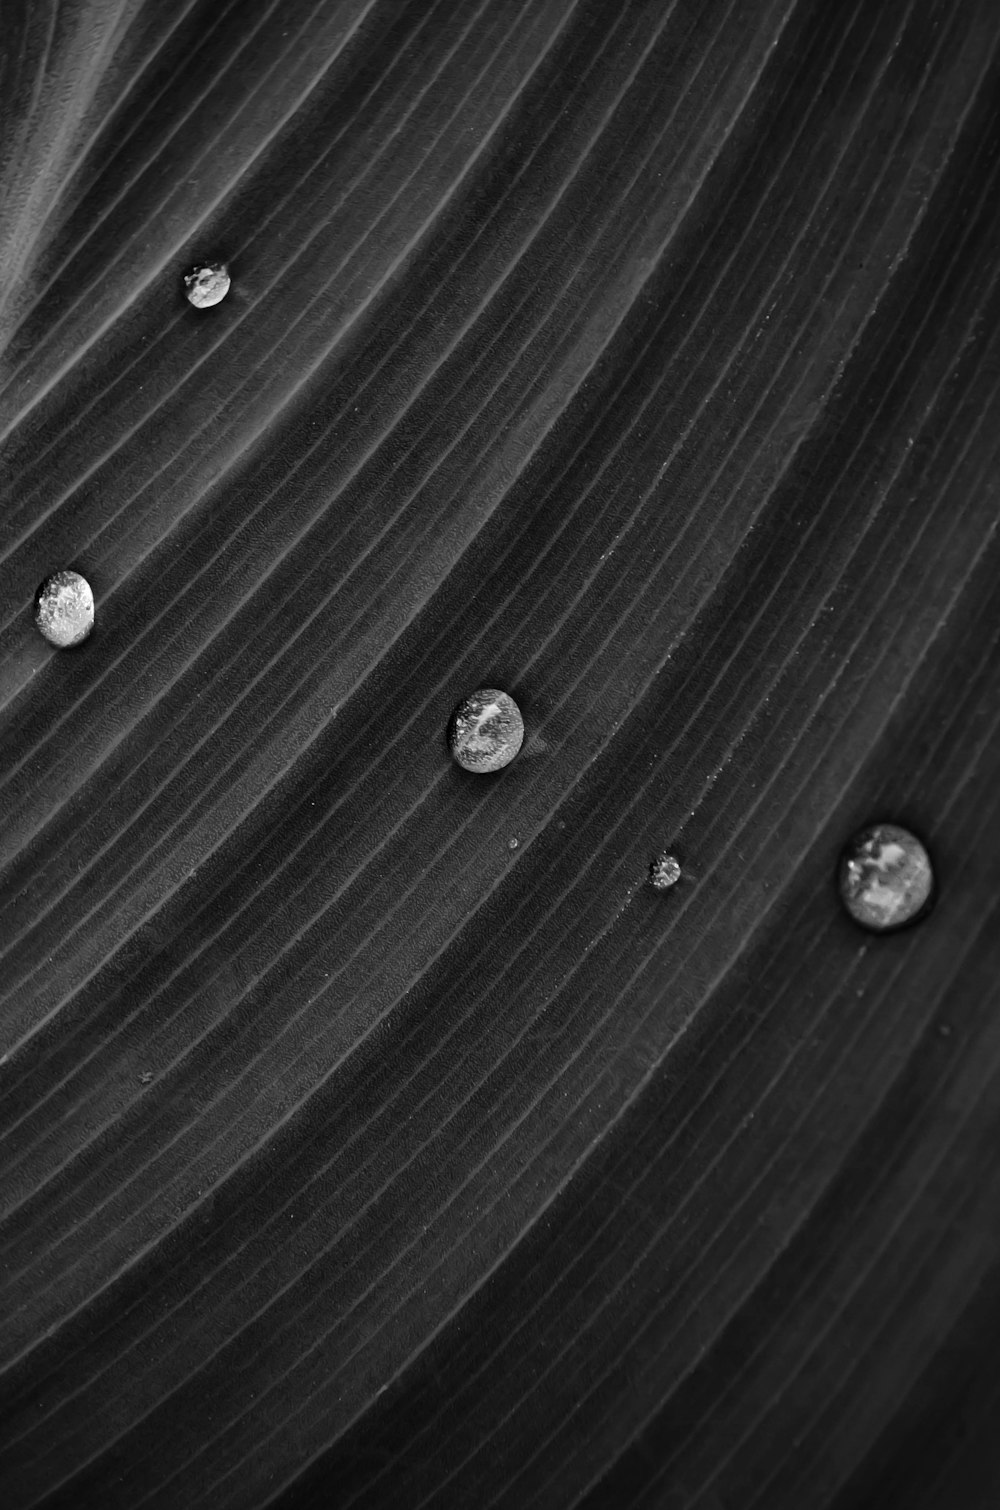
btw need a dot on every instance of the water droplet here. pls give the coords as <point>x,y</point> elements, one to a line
<point>207,284</point>
<point>886,878</point>
<point>64,609</point>
<point>664,872</point>
<point>511,843</point>
<point>487,731</point>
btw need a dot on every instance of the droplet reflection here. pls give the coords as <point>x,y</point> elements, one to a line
<point>207,284</point>
<point>486,731</point>
<point>664,872</point>
<point>64,609</point>
<point>886,878</point>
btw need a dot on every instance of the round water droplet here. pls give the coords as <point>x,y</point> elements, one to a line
<point>487,731</point>
<point>64,609</point>
<point>512,843</point>
<point>886,879</point>
<point>207,284</point>
<point>664,872</point>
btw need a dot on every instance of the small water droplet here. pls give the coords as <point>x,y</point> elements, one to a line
<point>207,284</point>
<point>664,872</point>
<point>64,609</point>
<point>486,731</point>
<point>511,843</point>
<point>886,878</point>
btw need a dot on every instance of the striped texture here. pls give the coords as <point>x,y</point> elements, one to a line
<point>642,359</point>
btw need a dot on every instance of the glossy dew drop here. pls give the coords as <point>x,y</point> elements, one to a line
<point>664,872</point>
<point>64,609</point>
<point>886,879</point>
<point>486,731</point>
<point>207,284</point>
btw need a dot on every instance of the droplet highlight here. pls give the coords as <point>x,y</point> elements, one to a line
<point>486,731</point>
<point>886,878</point>
<point>64,609</point>
<point>206,284</point>
<point>664,872</point>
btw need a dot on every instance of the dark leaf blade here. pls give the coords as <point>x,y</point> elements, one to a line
<point>642,361</point>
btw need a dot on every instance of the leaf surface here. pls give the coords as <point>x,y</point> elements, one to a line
<point>641,360</point>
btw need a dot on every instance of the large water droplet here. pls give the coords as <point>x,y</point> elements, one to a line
<point>207,284</point>
<point>886,878</point>
<point>64,609</point>
<point>486,731</point>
